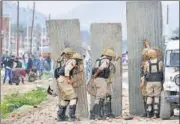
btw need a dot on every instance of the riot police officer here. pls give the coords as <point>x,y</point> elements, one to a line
<point>65,55</point>
<point>67,93</point>
<point>153,70</point>
<point>100,73</point>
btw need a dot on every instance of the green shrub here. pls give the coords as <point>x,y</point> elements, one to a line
<point>14,101</point>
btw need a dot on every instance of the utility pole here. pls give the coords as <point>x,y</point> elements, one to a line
<point>32,28</point>
<point>1,27</point>
<point>167,28</point>
<point>17,28</point>
<point>9,43</point>
<point>1,39</point>
<point>167,14</point>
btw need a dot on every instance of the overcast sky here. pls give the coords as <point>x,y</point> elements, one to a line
<point>56,8</point>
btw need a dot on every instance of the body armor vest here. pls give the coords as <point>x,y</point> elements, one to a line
<point>105,72</point>
<point>61,71</point>
<point>154,76</point>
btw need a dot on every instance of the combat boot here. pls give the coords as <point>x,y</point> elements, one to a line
<point>61,114</point>
<point>96,112</point>
<point>145,113</point>
<point>156,110</point>
<point>149,115</point>
<point>72,112</point>
<point>92,115</point>
<point>156,115</point>
<point>108,109</point>
<point>149,111</point>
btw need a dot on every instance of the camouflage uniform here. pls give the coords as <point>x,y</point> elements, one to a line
<point>143,81</point>
<point>67,94</point>
<point>153,70</point>
<point>102,87</point>
<point>145,58</point>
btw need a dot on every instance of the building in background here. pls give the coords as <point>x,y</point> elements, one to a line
<point>5,31</point>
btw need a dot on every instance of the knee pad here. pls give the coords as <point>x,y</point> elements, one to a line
<point>73,101</point>
<point>156,106</point>
<point>108,98</point>
<point>63,102</point>
<point>149,107</point>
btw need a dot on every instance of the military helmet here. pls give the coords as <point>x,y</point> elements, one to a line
<point>109,52</point>
<point>107,49</point>
<point>152,53</point>
<point>67,50</point>
<point>76,56</point>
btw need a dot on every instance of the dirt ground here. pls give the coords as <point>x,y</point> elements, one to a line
<point>46,113</point>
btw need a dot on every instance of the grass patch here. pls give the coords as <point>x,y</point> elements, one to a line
<point>16,100</point>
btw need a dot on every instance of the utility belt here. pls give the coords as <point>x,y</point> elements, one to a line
<point>152,77</point>
<point>104,74</point>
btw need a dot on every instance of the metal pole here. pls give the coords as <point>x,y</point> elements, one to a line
<point>1,39</point>
<point>32,28</point>
<point>167,28</point>
<point>9,43</point>
<point>17,28</point>
<point>1,28</point>
<point>167,14</point>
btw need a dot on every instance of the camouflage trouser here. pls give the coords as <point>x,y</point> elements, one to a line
<point>67,92</point>
<point>153,90</point>
<point>102,89</point>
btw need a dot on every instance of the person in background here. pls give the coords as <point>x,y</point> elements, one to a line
<point>29,63</point>
<point>48,59</point>
<point>8,63</point>
<point>41,66</point>
<point>18,63</point>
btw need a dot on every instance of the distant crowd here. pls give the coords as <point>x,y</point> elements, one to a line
<point>23,65</point>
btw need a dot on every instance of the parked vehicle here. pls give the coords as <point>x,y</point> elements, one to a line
<point>170,93</point>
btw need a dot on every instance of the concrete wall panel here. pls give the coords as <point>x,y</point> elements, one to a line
<point>66,33</point>
<point>105,35</point>
<point>144,21</point>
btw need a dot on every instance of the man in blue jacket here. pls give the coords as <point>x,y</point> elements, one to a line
<point>8,64</point>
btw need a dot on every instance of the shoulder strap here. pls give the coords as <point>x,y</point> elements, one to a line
<point>99,61</point>
<point>157,65</point>
<point>149,61</point>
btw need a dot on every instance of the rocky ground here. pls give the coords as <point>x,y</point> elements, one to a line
<point>45,113</point>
